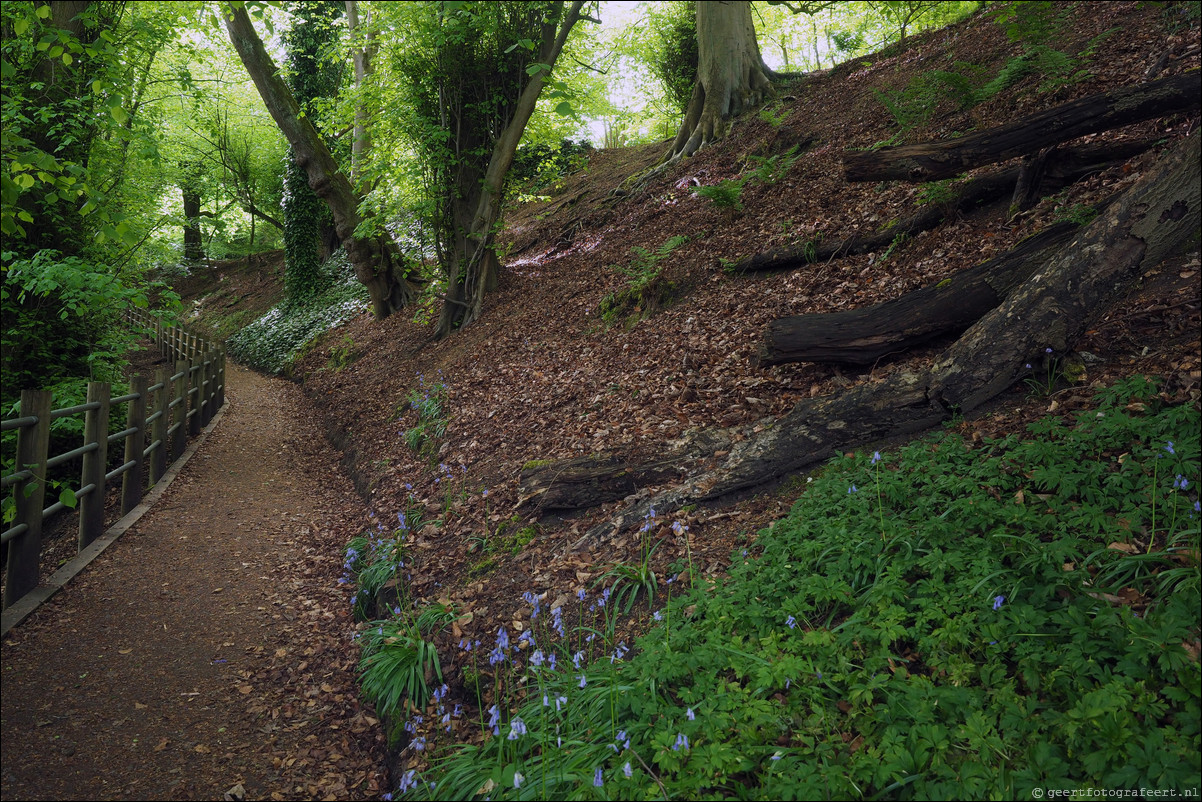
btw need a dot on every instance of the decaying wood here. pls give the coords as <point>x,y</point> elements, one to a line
<point>1157,217</point>
<point>1069,165</point>
<point>862,336</point>
<point>931,161</point>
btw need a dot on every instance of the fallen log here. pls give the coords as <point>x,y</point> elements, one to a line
<point>1158,216</point>
<point>1069,165</point>
<point>931,161</point>
<point>863,336</point>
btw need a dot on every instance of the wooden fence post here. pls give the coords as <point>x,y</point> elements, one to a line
<point>95,430</point>
<point>221,376</point>
<point>135,444</point>
<point>158,429</point>
<point>195,386</point>
<point>180,394</point>
<point>25,550</point>
<point>206,387</point>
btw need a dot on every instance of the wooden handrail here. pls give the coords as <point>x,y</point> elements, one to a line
<point>159,418</point>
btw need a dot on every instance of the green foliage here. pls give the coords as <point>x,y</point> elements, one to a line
<point>992,621</point>
<point>646,289</point>
<point>769,169</point>
<point>62,317</point>
<point>672,50</point>
<point>342,354</point>
<point>537,165</point>
<point>935,193</point>
<point>919,101</point>
<point>274,341</point>
<point>726,194</point>
<point>312,75</point>
<point>429,405</point>
<point>1078,213</point>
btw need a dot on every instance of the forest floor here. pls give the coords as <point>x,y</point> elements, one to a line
<point>540,376</point>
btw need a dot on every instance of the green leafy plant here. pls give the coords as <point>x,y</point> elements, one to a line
<point>399,660</point>
<point>274,342</point>
<point>770,169</point>
<point>970,621</point>
<point>726,194</point>
<point>429,404</point>
<point>646,290</point>
<point>342,354</point>
<point>935,193</point>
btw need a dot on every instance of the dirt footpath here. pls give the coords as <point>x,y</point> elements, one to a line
<point>210,646</point>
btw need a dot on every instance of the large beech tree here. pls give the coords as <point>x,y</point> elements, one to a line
<point>731,75</point>
<point>377,261</point>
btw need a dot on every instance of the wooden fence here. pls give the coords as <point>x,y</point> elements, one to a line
<point>161,415</point>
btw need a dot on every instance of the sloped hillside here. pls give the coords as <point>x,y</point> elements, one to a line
<point>544,376</point>
<point>551,372</point>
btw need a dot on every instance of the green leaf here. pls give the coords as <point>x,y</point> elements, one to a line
<point>20,26</point>
<point>564,109</point>
<point>43,12</point>
<point>67,497</point>
<point>67,59</point>
<point>118,113</point>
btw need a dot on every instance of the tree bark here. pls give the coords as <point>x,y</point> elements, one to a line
<point>1157,217</point>
<point>472,268</point>
<point>731,75</point>
<point>931,161</point>
<point>377,261</point>
<point>361,58</point>
<point>1069,165</point>
<point>193,241</point>
<point>863,336</point>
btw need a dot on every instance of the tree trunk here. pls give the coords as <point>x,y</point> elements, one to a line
<point>193,240</point>
<point>863,336</point>
<point>472,267</point>
<point>731,75</point>
<point>361,58</point>
<point>377,261</point>
<point>1155,218</point>
<point>931,161</point>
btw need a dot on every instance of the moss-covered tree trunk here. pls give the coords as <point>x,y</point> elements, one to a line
<point>471,265</point>
<point>377,262</point>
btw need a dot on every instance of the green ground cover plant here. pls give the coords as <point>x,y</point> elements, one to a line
<point>942,621</point>
<point>646,290</point>
<point>273,342</point>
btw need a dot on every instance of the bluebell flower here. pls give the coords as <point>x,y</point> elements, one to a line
<point>852,489</point>
<point>517,728</point>
<point>597,779</point>
<point>627,770</point>
<point>656,615</point>
<point>576,658</point>
<point>689,714</point>
<point>502,639</point>
<point>580,594</point>
<point>791,622</point>
<point>536,659</point>
<point>408,780</point>
<point>517,779</point>
<point>682,742</point>
<point>998,601</point>
<point>876,457</point>
<point>1169,448</point>
<point>583,681</point>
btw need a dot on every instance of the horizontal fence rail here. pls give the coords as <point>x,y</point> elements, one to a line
<point>160,417</point>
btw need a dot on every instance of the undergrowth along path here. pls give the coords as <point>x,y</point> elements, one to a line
<point>209,647</point>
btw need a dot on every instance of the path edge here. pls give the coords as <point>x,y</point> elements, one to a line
<point>31,601</point>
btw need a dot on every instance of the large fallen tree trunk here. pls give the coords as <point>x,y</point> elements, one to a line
<point>1068,166</point>
<point>931,161</point>
<point>862,336</point>
<point>1158,216</point>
